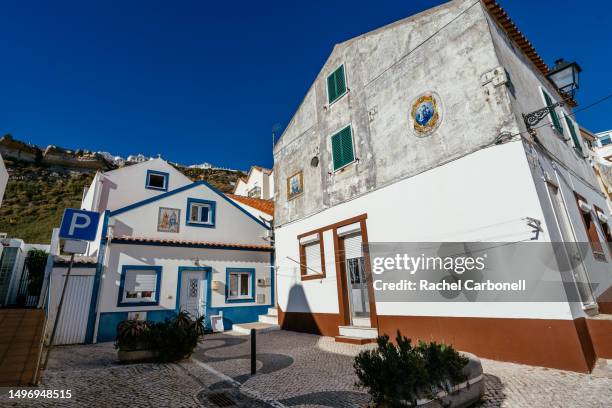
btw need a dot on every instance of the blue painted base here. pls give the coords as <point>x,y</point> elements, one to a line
<point>238,314</point>
<point>107,328</point>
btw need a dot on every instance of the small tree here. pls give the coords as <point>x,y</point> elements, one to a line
<point>35,262</point>
<point>399,375</point>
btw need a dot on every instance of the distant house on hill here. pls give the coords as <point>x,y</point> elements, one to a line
<point>259,183</point>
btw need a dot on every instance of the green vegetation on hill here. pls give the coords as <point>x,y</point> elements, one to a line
<point>36,195</point>
<point>35,199</point>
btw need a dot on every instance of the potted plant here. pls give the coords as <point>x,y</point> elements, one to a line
<point>171,340</point>
<point>427,375</point>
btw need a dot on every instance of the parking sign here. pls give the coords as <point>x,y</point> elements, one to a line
<point>79,224</point>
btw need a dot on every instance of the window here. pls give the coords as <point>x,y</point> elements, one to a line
<point>336,84</point>
<point>605,140</point>
<point>591,229</point>
<point>342,148</point>
<point>157,180</point>
<point>240,285</point>
<point>312,257</point>
<point>553,113</point>
<point>255,192</point>
<point>575,139</point>
<point>139,285</point>
<point>200,213</point>
<point>605,227</point>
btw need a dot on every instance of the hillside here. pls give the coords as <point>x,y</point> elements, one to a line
<point>38,190</point>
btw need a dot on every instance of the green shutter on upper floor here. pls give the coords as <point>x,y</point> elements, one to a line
<point>342,148</point>
<point>572,129</point>
<point>336,84</point>
<point>553,113</point>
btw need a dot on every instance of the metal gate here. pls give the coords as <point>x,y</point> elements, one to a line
<point>72,324</point>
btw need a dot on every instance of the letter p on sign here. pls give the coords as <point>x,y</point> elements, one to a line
<point>79,224</point>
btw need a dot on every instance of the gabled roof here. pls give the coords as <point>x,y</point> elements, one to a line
<point>180,189</point>
<point>266,206</point>
<point>246,179</point>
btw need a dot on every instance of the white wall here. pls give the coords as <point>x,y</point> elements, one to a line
<point>4,176</point>
<point>170,259</point>
<point>126,185</point>
<point>232,224</point>
<point>481,197</point>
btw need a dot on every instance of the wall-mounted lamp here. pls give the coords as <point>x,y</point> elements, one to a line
<point>565,76</point>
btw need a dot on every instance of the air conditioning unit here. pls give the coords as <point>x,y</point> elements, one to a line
<point>263,282</point>
<point>261,298</point>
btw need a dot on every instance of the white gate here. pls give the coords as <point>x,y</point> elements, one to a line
<point>72,325</point>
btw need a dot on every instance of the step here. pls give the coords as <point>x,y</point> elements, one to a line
<point>245,328</point>
<point>272,311</point>
<point>359,332</point>
<point>354,340</point>
<point>270,319</point>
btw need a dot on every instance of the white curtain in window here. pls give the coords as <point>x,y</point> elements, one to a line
<point>140,281</point>
<point>313,258</point>
<point>353,246</point>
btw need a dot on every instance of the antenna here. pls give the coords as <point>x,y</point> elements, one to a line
<point>275,128</point>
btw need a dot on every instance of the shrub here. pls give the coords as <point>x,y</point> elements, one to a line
<point>173,339</point>
<point>399,375</point>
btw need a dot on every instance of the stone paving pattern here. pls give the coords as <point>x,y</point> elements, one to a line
<point>295,369</point>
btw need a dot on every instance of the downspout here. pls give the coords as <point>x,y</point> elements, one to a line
<point>92,321</point>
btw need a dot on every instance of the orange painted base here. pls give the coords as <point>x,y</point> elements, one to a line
<point>563,344</point>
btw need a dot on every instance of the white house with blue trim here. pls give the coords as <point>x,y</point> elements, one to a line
<point>167,244</point>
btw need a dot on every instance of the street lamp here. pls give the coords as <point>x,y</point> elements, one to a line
<point>565,76</point>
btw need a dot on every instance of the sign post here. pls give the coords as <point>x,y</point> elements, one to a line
<point>78,227</point>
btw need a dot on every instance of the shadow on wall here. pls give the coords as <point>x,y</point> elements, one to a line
<point>305,321</point>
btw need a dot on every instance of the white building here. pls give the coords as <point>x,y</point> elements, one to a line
<point>414,133</point>
<point>165,244</point>
<point>259,183</point>
<point>13,252</point>
<point>4,176</point>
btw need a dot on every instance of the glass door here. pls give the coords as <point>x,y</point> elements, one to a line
<point>359,302</point>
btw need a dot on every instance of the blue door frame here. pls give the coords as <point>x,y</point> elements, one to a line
<point>208,296</point>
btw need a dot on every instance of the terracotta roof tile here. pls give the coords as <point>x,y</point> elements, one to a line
<point>266,206</point>
<point>188,243</point>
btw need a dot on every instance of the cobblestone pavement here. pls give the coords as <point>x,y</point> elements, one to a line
<point>96,379</point>
<point>294,370</point>
<point>312,371</point>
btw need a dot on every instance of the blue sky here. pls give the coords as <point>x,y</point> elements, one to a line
<point>205,81</point>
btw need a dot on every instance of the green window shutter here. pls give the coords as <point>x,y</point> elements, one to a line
<point>577,144</point>
<point>553,113</point>
<point>336,84</point>
<point>342,148</point>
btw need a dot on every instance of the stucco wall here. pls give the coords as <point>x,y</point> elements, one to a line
<point>126,185</point>
<point>232,225</point>
<point>170,259</point>
<point>386,71</point>
<point>3,179</point>
<point>452,203</point>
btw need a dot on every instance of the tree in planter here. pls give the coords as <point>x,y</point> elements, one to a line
<point>399,375</point>
<point>172,339</point>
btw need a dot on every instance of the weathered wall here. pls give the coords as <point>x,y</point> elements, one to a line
<point>386,71</point>
<point>554,157</point>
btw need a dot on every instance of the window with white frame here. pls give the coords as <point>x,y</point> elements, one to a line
<point>240,284</point>
<point>139,285</point>
<point>200,212</point>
